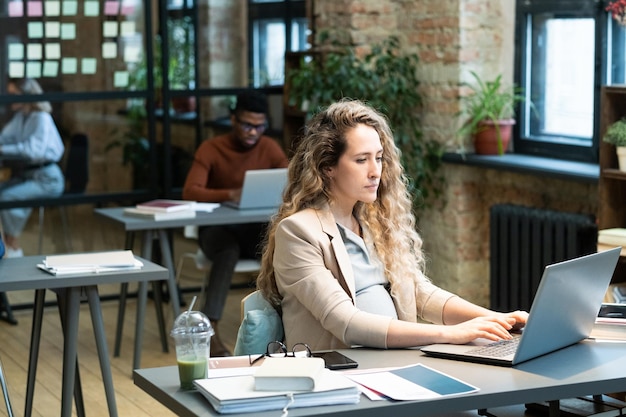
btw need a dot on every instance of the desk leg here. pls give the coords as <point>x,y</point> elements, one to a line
<point>101,344</point>
<point>72,310</point>
<point>156,286</point>
<point>166,253</point>
<point>142,296</point>
<point>78,391</point>
<point>121,311</point>
<point>33,357</point>
<point>130,239</point>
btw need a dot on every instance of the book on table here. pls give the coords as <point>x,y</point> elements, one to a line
<point>155,215</point>
<point>238,394</point>
<point>297,374</point>
<point>166,206</point>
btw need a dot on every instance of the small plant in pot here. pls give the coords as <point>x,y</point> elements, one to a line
<point>488,114</point>
<point>616,135</point>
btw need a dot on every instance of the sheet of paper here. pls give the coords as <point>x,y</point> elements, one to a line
<point>53,51</point>
<point>121,79</point>
<point>91,8</point>
<point>34,51</point>
<point>52,8</point>
<point>68,31</point>
<point>35,30</point>
<point>88,65</point>
<point>414,382</point>
<point>16,51</point>
<point>50,68</point>
<point>69,65</point>
<point>16,69</point>
<point>69,8</point>
<point>16,9</point>
<point>109,29</point>
<point>208,207</point>
<point>34,8</point>
<point>33,69</point>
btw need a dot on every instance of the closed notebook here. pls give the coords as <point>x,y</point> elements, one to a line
<point>294,374</point>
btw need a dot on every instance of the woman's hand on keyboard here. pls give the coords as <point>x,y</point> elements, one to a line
<point>496,327</point>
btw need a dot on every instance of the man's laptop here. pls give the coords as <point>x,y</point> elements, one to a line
<point>563,312</point>
<point>262,188</point>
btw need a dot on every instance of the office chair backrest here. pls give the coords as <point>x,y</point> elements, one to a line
<point>77,164</point>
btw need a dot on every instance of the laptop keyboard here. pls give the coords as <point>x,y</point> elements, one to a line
<point>498,349</point>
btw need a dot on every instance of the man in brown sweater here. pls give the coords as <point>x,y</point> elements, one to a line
<point>216,175</point>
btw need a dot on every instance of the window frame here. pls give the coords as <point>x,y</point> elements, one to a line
<point>566,8</point>
<point>286,10</point>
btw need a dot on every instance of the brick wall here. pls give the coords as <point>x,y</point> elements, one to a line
<point>451,38</point>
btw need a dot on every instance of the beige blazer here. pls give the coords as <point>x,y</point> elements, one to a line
<point>314,276</point>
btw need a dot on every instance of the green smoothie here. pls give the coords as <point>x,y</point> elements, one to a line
<point>188,370</point>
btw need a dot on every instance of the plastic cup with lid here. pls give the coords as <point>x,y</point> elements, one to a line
<point>192,333</point>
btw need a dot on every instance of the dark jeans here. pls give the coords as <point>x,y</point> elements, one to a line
<point>224,246</point>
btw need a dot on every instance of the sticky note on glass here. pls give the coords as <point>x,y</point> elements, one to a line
<point>35,30</point>
<point>50,68</point>
<point>120,79</point>
<point>34,8</point>
<point>69,65</point>
<point>69,8</point>
<point>16,51</point>
<point>33,69</point>
<point>53,51</point>
<point>34,51</point>
<point>68,31</point>
<point>88,65</point>
<point>16,69</point>
<point>127,9</point>
<point>132,53</point>
<point>52,8</point>
<point>111,8</point>
<point>16,9</point>
<point>53,29</point>
<point>109,50</point>
<point>127,28</point>
<point>109,29</point>
<point>92,8</point>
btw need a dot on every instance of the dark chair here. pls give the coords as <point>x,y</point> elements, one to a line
<point>76,178</point>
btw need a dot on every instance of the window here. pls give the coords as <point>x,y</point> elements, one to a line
<point>559,65</point>
<point>275,27</point>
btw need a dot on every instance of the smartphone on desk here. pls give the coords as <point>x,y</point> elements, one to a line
<point>335,360</point>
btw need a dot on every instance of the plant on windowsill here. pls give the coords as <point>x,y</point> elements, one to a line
<point>488,115</point>
<point>385,78</point>
<point>616,135</point>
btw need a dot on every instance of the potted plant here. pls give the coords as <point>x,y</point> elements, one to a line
<point>616,135</point>
<point>488,114</point>
<point>134,145</point>
<point>385,78</point>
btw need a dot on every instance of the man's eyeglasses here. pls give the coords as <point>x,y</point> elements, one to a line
<point>278,349</point>
<point>247,127</point>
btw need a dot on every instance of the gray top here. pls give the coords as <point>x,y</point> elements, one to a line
<point>369,278</point>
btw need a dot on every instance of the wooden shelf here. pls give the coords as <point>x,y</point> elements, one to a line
<point>614,174</point>
<point>612,186</point>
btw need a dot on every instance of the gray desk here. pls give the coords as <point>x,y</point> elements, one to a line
<point>152,229</point>
<point>583,369</point>
<point>22,274</point>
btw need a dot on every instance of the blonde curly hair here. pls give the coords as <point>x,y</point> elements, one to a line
<point>389,219</point>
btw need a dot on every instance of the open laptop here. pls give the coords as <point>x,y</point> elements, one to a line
<point>563,313</point>
<point>262,188</point>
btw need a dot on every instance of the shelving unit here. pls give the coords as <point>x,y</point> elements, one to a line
<point>612,187</point>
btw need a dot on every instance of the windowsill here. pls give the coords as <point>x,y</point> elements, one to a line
<point>526,164</point>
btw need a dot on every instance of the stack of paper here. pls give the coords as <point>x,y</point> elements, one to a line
<point>615,236</point>
<point>237,394</point>
<point>162,209</point>
<point>90,262</point>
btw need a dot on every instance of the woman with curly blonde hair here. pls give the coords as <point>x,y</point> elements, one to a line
<point>342,259</point>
